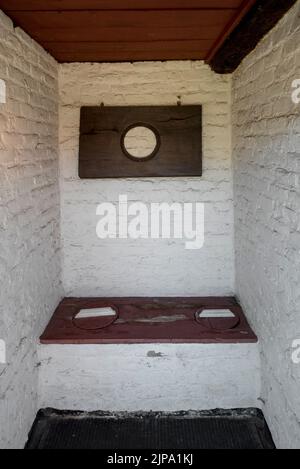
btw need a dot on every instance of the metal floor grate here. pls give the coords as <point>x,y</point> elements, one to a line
<point>237,429</point>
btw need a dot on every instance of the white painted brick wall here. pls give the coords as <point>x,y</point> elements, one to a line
<point>144,267</point>
<point>266,128</point>
<point>29,222</point>
<point>157,377</point>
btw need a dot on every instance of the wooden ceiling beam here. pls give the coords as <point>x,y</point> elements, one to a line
<point>261,18</point>
<point>127,56</point>
<point>231,25</point>
<point>128,51</point>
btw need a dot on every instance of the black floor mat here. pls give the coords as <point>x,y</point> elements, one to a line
<point>236,429</point>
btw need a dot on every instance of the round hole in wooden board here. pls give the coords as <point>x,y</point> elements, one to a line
<point>140,142</point>
<point>95,319</point>
<point>217,319</point>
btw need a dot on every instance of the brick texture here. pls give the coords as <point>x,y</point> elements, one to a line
<point>266,142</point>
<point>29,222</point>
<point>147,267</point>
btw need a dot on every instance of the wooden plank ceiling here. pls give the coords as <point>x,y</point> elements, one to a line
<point>128,30</point>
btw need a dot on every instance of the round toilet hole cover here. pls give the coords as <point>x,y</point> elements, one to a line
<point>94,319</point>
<point>217,319</point>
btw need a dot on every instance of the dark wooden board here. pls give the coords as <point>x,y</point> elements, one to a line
<point>101,130</point>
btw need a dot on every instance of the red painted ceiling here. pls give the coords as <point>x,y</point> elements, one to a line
<point>128,30</point>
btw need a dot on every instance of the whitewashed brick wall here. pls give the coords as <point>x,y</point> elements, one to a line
<point>29,222</point>
<point>266,128</point>
<point>142,267</point>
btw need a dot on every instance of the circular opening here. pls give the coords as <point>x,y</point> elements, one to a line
<point>140,142</point>
<point>94,319</point>
<point>217,319</point>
